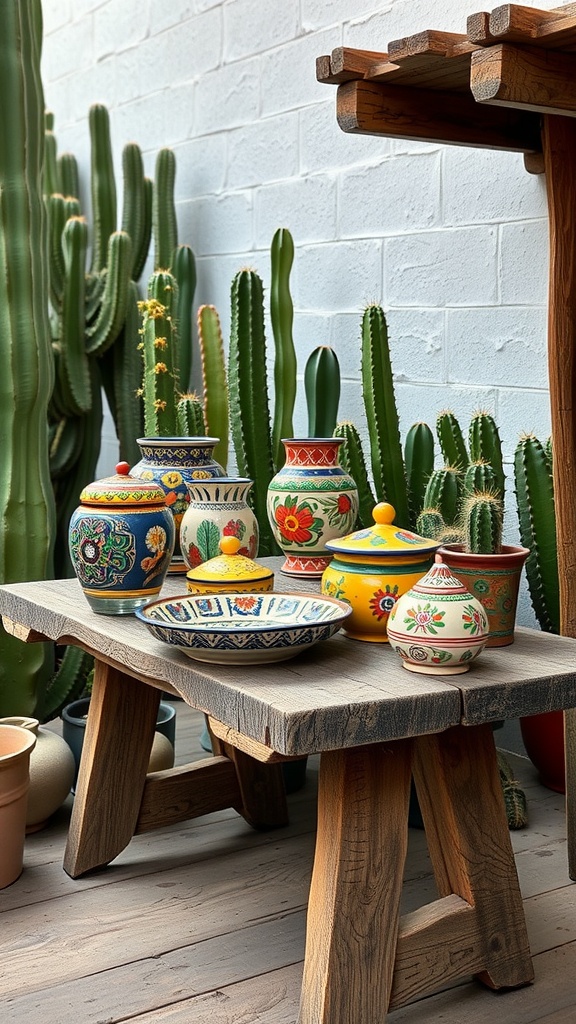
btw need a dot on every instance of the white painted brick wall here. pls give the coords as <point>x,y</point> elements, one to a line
<point>452,242</point>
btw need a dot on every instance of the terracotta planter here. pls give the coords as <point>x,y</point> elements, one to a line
<point>16,745</point>
<point>494,580</point>
<point>543,737</point>
<point>51,772</point>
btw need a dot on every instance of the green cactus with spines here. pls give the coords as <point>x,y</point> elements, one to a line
<point>351,458</point>
<point>282,317</point>
<point>430,523</point>
<point>451,439</point>
<point>537,520</point>
<point>322,387</point>
<point>159,346</point>
<point>27,512</point>
<point>190,416</point>
<point>214,380</point>
<point>381,414</point>
<point>136,206</point>
<point>481,520</point>
<point>164,224</point>
<point>183,267</point>
<point>121,374</point>
<point>419,463</point>
<point>248,396</point>
<point>102,185</point>
<point>69,179</point>
<point>548,452</point>
<point>479,476</point>
<point>485,444</point>
<point>443,493</point>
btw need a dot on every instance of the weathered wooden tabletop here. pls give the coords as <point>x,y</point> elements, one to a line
<point>341,693</point>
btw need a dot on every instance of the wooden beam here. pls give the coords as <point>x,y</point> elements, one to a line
<point>256,750</point>
<point>344,64</point>
<point>513,23</point>
<point>526,79</point>
<point>370,108</point>
<point>431,60</point>
<point>559,148</point>
<point>189,791</point>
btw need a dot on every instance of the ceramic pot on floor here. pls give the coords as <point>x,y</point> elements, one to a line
<point>16,745</point>
<point>51,772</point>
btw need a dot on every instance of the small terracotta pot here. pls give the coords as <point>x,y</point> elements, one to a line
<point>16,745</point>
<point>543,737</point>
<point>494,580</point>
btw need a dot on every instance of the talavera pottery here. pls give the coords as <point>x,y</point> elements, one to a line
<point>173,463</point>
<point>310,502</point>
<point>229,573</point>
<point>121,540</point>
<point>218,508</point>
<point>372,568</point>
<point>437,627</point>
<point>494,580</point>
<point>51,772</point>
<point>16,745</point>
<point>244,629</point>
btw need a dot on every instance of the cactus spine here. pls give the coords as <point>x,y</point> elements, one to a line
<point>282,316</point>
<point>451,441</point>
<point>485,444</point>
<point>536,516</point>
<point>352,460</point>
<point>381,413</point>
<point>322,387</point>
<point>248,392</point>
<point>479,476</point>
<point>442,493</point>
<point>27,516</point>
<point>481,519</point>
<point>160,382</point>
<point>430,523</point>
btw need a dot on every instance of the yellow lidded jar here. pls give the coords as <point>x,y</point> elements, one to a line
<point>229,573</point>
<point>372,568</point>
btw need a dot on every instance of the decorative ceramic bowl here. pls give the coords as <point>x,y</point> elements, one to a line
<point>438,627</point>
<point>121,540</point>
<point>239,629</point>
<point>372,568</point>
<point>229,573</point>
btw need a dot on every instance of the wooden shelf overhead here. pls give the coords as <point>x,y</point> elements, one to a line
<point>508,83</point>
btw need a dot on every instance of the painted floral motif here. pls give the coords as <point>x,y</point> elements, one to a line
<point>335,587</point>
<point>409,538</point>
<point>194,556</point>
<point>383,601</point>
<point>474,621</point>
<point>234,528</point>
<point>106,550</point>
<point>171,480</point>
<point>481,587</point>
<point>243,605</point>
<point>297,523</point>
<point>424,619</point>
<point>155,541</point>
<point>340,511</point>
<point>440,657</point>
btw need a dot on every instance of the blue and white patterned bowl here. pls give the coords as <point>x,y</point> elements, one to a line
<point>242,629</point>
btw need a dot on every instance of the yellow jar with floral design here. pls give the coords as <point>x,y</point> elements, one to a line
<point>173,463</point>
<point>372,568</point>
<point>230,572</point>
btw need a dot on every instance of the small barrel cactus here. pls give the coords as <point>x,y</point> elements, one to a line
<point>481,521</point>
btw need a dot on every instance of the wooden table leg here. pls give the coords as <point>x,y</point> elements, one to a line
<point>356,884</point>
<point>262,793</point>
<point>115,756</point>
<point>460,797</point>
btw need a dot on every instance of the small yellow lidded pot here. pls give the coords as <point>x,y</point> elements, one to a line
<point>229,573</point>
<point>372,568</point>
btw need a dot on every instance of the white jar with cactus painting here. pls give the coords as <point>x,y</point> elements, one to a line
<point>218,508</point>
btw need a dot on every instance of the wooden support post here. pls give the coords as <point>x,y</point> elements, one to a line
<point>559,148</point>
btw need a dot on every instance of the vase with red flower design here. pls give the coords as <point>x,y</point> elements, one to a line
<point>121,539</point>
<point>310,502</point>
<point>173,463</point>
<point>437,626</point>
<point>217,508</point>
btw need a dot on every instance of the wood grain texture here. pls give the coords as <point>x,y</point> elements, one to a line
<point>190,791</point>
<point>525,79</point>
<point>357,877</point>
<point>371,108</point>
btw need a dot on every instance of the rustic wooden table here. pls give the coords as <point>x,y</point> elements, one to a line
<point>375,725</point>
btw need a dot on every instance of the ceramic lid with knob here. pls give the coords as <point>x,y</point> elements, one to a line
<point>123,490</point>
<point>383,538</point>
<point>230,566</point>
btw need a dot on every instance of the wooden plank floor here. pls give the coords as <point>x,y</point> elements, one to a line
<point>204,923</point>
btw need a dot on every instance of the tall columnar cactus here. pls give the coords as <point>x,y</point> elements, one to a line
<point>443,493</point>
<point>248,395</point>
<point>214,380</point>
<point>322,387</point>
<point>481,519</point>
<point>27,513</point>
<point>351,457</point>
<point>190,417</point>
<point>382,415</point>
<point>282,316</point>
<point>479,476</point>
<point>451,440</point>
<point>160,383</point>
<point>485,444</point>
<point>537,519</point>
<point>419,463</point>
